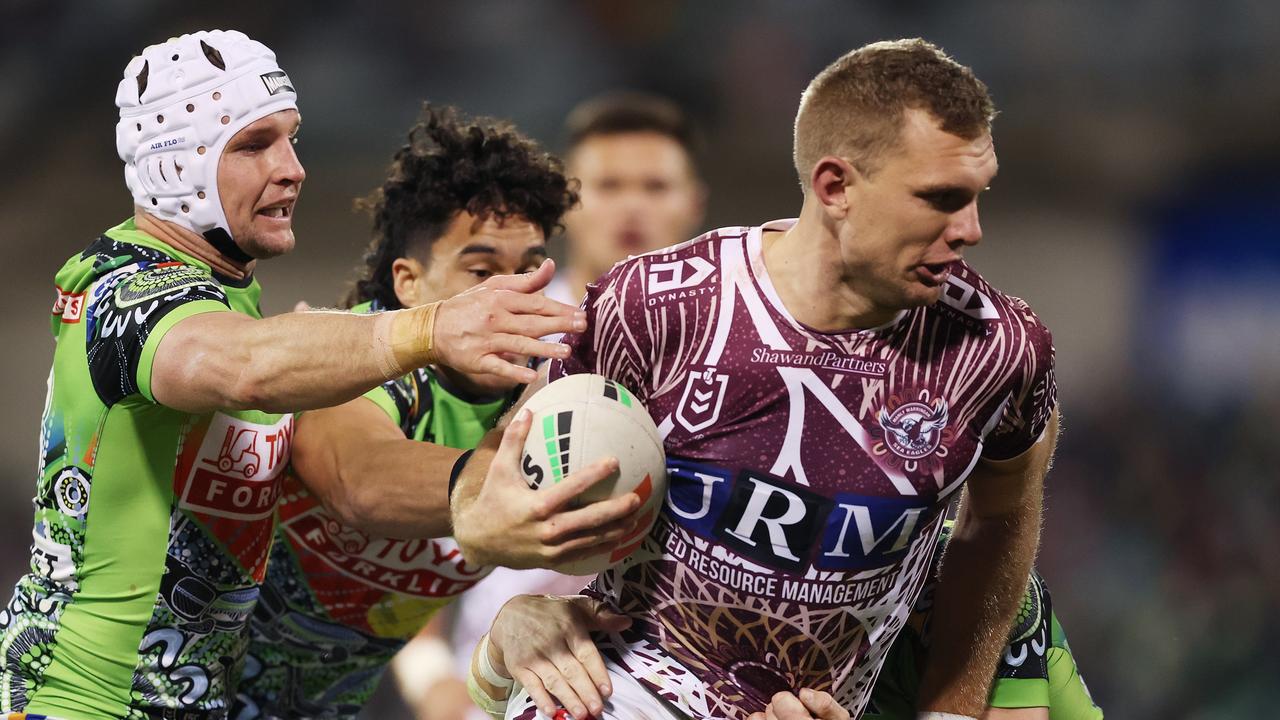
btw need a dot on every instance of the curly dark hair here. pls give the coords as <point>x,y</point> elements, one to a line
<point>453,164</point>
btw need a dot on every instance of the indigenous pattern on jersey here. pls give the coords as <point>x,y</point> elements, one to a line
<point>338,603</point>
<point>152,526</point>
<point>1022,675</point>
<point>1069,697</point>
<point>808,470</point>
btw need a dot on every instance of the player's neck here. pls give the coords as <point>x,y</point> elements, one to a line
<point>578,276</point>
<point>180,238</point>
<point>804,267</point>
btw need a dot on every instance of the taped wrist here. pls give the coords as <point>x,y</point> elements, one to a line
<point>493,708</point>
<point>487,671</point>
<point>405,339</point>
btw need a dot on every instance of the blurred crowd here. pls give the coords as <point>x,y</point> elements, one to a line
<point>1160,519</point>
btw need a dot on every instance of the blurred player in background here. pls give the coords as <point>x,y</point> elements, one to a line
<point>169,416</point>
<point>349,581</point>
<point>825,387</point>
<point>635,158</point>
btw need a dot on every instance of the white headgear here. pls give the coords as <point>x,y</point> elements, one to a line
<point>180,102</point>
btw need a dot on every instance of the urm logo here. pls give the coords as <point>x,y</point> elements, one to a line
<point>783,525</point>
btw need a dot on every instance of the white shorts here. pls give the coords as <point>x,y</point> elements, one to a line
<point>630,701</point>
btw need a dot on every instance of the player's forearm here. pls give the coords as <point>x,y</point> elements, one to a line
<point>472,534</point>
<point>475,536</point>
<point>389,487</point>
<point>983,579</point>
<point>296,361</point>
<point>300,361</point>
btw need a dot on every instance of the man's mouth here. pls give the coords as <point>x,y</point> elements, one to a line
<point>279,212</point>
<point>934,274</point>
<point>631,240</point>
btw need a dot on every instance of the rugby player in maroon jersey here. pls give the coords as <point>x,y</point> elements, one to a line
<point>825,387</point>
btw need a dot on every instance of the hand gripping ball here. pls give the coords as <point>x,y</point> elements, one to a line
<point>579,419</point>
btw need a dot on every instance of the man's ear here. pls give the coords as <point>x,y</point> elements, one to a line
<point>831,177</point>
<point>407,275</point>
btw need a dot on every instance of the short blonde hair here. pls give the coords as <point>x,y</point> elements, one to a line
<point>854,107</point>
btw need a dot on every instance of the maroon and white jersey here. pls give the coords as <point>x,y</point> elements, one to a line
<point>808,471</point>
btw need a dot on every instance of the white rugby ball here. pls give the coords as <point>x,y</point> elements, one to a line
<point>579,419</point>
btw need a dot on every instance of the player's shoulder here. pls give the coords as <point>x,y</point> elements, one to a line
<point>123,266</point>
<point>683,271</point>
<point>136,267</point>
<point>969,300</point>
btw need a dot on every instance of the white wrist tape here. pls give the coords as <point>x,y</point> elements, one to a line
<point>487,671</point>
<point>495,709</point>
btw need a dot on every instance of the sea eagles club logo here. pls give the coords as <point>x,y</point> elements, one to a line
<point>914,429</point>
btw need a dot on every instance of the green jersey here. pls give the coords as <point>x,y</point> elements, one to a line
<point>339,603</point>
<point>1069,697</point>
<point>1035,670</point>
<point>152,525</point>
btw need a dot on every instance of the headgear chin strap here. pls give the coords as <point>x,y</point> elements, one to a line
<point>180,102</point>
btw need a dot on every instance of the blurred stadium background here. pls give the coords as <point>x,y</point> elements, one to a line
<point>1137,209</point>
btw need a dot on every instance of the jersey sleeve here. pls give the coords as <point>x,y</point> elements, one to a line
<point>1069,697</point>
<point>398,398</point>
<point>1022,675</point>
<point>618,341</point>
<point>1033,393</point>
<point>129,314</point>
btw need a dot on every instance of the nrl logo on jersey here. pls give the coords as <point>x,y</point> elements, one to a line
<point>702,399</point>
<point>913,430</point>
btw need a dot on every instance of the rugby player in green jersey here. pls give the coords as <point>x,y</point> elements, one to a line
<point>346,588</point>
<point>167,426</point>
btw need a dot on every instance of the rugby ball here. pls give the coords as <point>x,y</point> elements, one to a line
<point>579,419</point>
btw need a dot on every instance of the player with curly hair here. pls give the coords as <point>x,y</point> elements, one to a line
<point>361,557</point>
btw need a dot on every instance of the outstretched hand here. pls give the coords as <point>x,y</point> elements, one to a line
<point>493,326</point>
<point>545,644</point>
<point>508,523</point>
